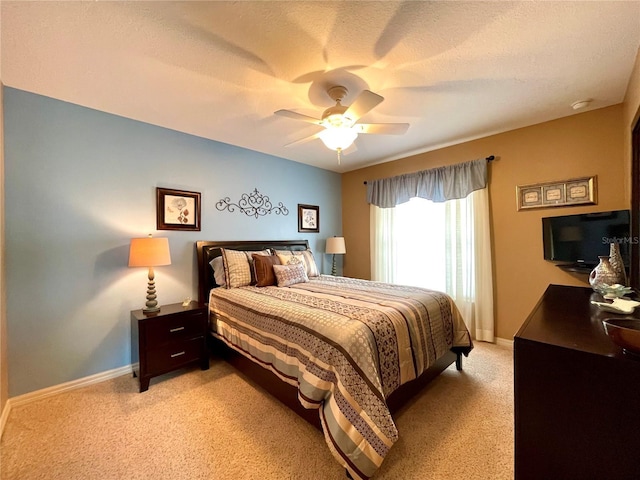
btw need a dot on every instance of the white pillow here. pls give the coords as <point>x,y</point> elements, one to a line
<point>218,271</point>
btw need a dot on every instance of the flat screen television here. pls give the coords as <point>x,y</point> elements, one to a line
<point>578,240</point>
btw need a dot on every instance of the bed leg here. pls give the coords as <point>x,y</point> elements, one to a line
<point>459,361</point>
<point>348,474</point>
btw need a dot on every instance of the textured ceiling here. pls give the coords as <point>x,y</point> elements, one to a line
<point>454,71</point>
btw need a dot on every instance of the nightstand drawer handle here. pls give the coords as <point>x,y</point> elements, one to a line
<point>174,355</point>
<point>173,330</point>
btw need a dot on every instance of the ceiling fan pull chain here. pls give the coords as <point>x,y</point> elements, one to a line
<point>339,150</point>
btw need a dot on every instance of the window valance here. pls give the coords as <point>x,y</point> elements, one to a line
<point>438,184</point>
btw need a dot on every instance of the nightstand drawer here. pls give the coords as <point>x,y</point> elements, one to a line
<point>173,328</point>
<point>175,354</point>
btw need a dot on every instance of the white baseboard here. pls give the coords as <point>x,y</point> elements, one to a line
<point>63,387</point>
<point>503,342</point>
<point>4,417</point>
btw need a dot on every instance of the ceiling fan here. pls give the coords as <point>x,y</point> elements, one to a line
<point>340,122</point>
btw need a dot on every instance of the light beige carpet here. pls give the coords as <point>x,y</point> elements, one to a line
<point>215,425</point>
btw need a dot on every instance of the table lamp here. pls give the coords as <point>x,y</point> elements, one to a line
<point>150,252</point>
<point>335,246</point>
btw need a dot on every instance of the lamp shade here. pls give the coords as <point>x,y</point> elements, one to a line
<point>335,245</point>
<point>338,138</point>
<point>149,252</point>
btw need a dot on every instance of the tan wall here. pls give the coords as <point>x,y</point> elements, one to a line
<point>586,144</point>
<point>4,369</point>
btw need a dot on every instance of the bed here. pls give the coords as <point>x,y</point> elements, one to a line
<point>348,352</point>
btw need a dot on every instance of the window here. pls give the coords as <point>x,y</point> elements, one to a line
<point>440,246</point>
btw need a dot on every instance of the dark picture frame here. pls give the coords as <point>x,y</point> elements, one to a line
<point>308,218</point>
<point>177,210</point>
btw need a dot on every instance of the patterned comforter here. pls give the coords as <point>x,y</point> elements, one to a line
<point>346,344</point>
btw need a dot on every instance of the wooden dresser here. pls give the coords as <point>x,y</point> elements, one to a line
<point>577,395</point>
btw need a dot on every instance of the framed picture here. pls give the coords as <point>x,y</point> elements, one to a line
<point>557,194</point>
<point>529,197</point>
<point>177,210</point>
<point>308,218</point>
<point>553,194</point>
<point>582,190</point>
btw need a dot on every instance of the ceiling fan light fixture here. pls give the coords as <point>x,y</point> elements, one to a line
<point>338,138</point>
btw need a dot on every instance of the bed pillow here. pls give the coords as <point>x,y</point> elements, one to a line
<point>287,275</point>
<point>250,254</point>
<point>238,266</point>
<point>218,271</point>
<point>288,257</point>
<point>263,268</point>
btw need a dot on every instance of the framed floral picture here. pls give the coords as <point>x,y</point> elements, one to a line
<point>177,210</point>
<point>308,218</point>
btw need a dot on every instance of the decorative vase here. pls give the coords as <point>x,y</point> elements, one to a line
<point>615,259</point>
<point>602,274</point>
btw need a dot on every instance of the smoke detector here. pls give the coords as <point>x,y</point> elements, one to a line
<point>581,104</point>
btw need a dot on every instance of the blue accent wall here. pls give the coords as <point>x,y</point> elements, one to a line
<point>79,184</point>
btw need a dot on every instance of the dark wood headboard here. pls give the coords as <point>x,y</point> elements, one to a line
<point>207,251</point>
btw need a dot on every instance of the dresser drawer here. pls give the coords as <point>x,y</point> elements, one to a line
<point>173,328</point>
<point>173,355</point>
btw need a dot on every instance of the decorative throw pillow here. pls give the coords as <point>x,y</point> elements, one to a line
<point>290,259</point>
<point>305,257</point>
<point>250,255</point>
<point>312,268</point>
<point>218,271</point>
<point>288,275</point>
<point>237,267</point>
<point>263,268</point>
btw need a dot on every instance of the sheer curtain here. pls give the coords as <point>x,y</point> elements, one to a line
<point>442,246</point>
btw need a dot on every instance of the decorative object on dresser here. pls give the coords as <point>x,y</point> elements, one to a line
<point>624,332</point>
<point>150,252</point>
<point>576,393</point>
<point>252,204</point>
<point>335,246</point>
<point>576,191</point>
<point>168,340</point>
<point>602,274</point>
<point>177,210</point>
<point>308,218</point>
<point>617,264</point>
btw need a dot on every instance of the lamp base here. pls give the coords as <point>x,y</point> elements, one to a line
<point>334,271</point>
<point>152,303</point>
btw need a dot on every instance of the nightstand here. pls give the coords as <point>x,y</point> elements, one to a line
<point>167,340</point>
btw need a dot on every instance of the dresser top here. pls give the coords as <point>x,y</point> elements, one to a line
<point>565,317</point>
<point>171,309</point>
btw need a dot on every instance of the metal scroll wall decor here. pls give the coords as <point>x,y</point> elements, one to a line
<point>252,204</point>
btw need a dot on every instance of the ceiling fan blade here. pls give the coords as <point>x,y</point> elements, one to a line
<point>303,140</point>
<point>382,128</point>
<point>297,116</point>
<point>363,104</point>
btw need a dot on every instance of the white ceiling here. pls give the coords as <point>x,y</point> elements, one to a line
<point>454,71</point>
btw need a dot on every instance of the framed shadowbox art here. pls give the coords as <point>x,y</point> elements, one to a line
<point>177,210</point>
<point>576,191</point>
<point>308,218</point>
